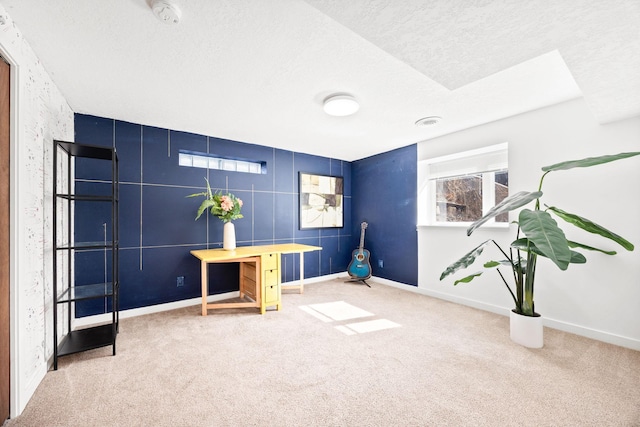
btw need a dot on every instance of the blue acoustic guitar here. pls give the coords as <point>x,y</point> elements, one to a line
<point>360,267</point>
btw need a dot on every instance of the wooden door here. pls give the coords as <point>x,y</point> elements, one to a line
<point>4,241</point>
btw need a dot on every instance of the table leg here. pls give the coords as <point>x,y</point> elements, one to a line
<point>258,293</point>
<point>205,287</point>
<point>301,272</point>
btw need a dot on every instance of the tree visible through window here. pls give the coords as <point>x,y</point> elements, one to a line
<point>462,187</point>
<point>460,198</point>
<point>501,192</point>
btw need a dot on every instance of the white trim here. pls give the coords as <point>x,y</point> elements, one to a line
<point>134,312</point>
<point>550,323</point>
<point>462,301</point>
<point>594,334</point>
<point>102,318</point>
<point>33,382</point>
<point>467,163</point>
<point>503,146</point>
<point>16,403</point>
<point>316,279</point>
<point>464,225</point>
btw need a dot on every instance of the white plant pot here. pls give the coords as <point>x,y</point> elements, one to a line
<point>229,236</point>
<point>526,330</point>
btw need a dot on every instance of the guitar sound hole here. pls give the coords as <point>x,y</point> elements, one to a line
<point>359,257</point>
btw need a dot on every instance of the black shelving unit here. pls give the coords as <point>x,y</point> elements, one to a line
<point>67,292</point>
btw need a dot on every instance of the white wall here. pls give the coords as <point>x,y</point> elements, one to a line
<point>39,114</point>
<point>599,299</point>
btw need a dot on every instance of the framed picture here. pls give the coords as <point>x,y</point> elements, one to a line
<point>321,201</point>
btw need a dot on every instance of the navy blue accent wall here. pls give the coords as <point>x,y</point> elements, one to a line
<point>384,189</point>
<point>157,227</point>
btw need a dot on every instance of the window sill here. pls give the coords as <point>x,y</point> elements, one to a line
<point>465,225</point>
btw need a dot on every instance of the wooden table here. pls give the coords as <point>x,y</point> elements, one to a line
<point>260,273</point>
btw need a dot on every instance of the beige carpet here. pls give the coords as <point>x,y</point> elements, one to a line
<point>341,354</point>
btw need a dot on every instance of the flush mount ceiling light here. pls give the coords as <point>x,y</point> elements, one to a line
<point>340,105</point>
<point>428,121</point>
<point>166,11</point>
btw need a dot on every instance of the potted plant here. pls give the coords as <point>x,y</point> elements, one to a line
<point>537,235</point>
<point>226,207</point>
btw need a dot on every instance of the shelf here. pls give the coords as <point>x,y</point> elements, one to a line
<point>66,243</point>
<point>87,151</point>
<point>87,339</point>
<point>88,245</point>
<point>77,293</point>
<point>86,197</point>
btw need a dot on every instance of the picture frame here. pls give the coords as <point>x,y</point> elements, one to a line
<point>321,201</point>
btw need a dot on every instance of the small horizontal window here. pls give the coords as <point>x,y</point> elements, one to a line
<point>208,161</point>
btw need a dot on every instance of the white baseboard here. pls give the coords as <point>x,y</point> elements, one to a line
<point>82,322</point>
<point>595,334</point>
<point>462,301</point>
<point>26,392</point>
<point>504,311</point>
<point>317,279</point>
<point>105,318</point>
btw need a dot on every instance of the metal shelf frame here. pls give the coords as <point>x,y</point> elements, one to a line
<point>64,247</point>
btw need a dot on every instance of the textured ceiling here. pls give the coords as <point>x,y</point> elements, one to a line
<point>257,71</point>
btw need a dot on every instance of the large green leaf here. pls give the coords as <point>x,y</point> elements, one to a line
<point>589,248</point>
<point>508,204</point>
<point>465,261</point>
<point>204,193</point>
<point>545,234</point>
<point>577,258</point>
<point>204,206</point>
<point>526,245</point>
<point>589,161</point>
<point>468,278</point>
<point>491,264</point>
<point>591,227</point>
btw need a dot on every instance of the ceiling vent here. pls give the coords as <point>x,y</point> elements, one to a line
<point>428,121</point>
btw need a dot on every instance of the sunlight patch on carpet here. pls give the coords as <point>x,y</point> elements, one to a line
<point>315,314</point>
<point>369,326</point>
<point>345,330</point>
<point>339,310</point>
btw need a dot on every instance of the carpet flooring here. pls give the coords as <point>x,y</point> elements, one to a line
<point>341,354</point>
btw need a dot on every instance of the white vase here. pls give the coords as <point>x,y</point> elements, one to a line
<point>526,330</point>
<point>229,236</point>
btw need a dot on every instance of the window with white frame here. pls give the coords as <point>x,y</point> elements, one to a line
<point>460,188</point>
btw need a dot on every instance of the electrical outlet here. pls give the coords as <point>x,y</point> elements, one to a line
<point>380,263</point>
<point>180,281</point>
